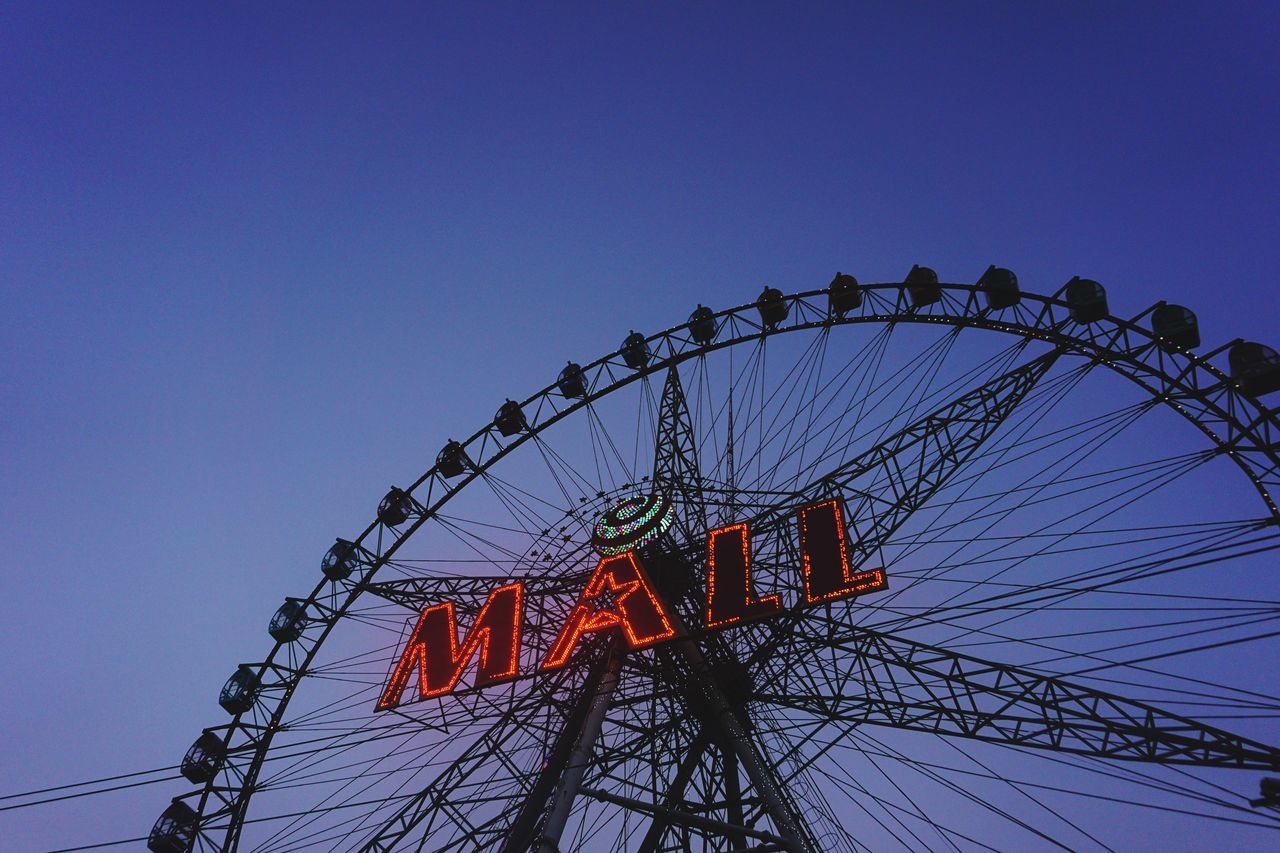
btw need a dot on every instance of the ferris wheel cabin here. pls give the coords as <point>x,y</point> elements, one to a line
<point>509,419</point>
<point>287,622</point>
<point>572,382</point>
<point>843,294</point>
<point>772,307</point>
<point>452,460</point>
<point>1254,367</point>
<point>1001,287</point>
<point>922,286</point>
<point>1177,325</point>
<point>203,758</point>
<point>635,351</point>
<point>240,691</point>
<point>339,561</point>
<point>1087,300</point>
<point>395,507</point>
<point>175,831</point>
<point>702,325</point>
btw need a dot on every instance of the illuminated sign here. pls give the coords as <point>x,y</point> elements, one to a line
<point>433,650</point>
<point>618,594</point>
<point>730,597</point>
<point>632,523</point>
<point>621,597</point>
<point>824,554</point>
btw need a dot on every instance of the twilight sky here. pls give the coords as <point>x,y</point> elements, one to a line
<point>259,262</point>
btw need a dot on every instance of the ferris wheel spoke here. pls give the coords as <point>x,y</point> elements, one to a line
<point>674,793</point>
<point>909,466</point>
<point>843,427</point>
<point>914,463</point>
<point>451,795</point>
<point>694,786</point>
<point>871,748</point>
<point>721,717</point>
<point>469,593</point>
<point>906,684</point>
<point>807,746</point>
<point>665,816</point>
<point>1114,578</point>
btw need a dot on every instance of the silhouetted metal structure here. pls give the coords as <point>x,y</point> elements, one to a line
<point>682,740</point>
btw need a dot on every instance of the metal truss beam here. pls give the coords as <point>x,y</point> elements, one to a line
<point>676,472</point>
<point>675,459</point>
<point>469,593</point>
<point>719,715</point>
<point>884,484</point>
<point>675,792</point>
<point>675,816</point>
<point>905,684</point>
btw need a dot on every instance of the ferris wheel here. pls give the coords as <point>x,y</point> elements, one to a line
<point>873,566</point>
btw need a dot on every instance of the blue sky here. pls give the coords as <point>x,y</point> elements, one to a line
<point>259,262</point>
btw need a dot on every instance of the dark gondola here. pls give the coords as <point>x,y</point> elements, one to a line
<point>340,560</point>
<point>1086,299</point>
<point>635,351</point>
<point>1255,367</point>
<point>772,307</point>
<point>843,294</point>
<point>1001,288</point>
<point>287,622</point>
<point>452,459</point>
<point>203,759</point>
<point>510,419</point>
<point>394,508</point>
<point>702,325</point>
<point>240,691</point>
<point>1177,325</point>
<point>922,286</point>
<point>571,382</point>
<point>175,831</point>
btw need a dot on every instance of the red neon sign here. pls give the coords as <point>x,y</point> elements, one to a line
<point>619,593</point>
<point>620,596</point>
<point>433,647</point>
<point>730,594</point>
<point>824,554</point>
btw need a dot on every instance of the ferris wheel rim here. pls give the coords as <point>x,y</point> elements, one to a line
<point>674,347</point>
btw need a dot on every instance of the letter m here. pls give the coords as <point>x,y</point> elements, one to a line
<point>433,650</point>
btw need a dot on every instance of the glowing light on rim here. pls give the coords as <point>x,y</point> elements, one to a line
<point>631,523</point>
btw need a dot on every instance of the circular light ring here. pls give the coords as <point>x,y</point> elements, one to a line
<point>631,523</point>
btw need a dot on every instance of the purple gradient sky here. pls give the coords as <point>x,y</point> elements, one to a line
<point>259,262</point>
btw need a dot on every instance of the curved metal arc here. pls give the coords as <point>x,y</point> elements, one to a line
<point>682,349</point>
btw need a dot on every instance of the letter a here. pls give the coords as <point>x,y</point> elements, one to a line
<point>618,592</point>
<point>433,647</point>
<point>824,551</point>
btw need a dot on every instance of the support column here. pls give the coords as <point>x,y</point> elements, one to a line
<point>579,758</point>
<point>735,736</point>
